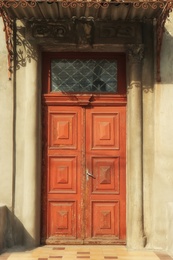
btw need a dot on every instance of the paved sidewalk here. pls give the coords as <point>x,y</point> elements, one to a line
<point>84,252</point>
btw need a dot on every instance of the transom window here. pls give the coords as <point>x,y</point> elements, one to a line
<point>84,75</point>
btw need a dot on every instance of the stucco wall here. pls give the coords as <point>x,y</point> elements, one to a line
<point>162,185</point>
<point>19,143</point>
<point>6,122</point>
<point>6,144</point>
<point>27,145</point>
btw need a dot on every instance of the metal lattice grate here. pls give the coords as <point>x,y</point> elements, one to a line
<point>83,75</point>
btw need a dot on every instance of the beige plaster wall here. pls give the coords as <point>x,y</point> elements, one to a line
<point>6,146</point>
<point>162,177</point>
<point>6,125</point>
<point>28,133</point>
<point>20,132</point>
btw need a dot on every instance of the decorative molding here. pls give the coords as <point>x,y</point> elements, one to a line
<point>80,31</point>
<point>49,30</point>
<point>154,4</point>
<point>117,30</point>
<point>145,4</point>
<point>73,99</point>
<point>22,3</point>
<point>135,55</point>
<point>135,52</point>
<point>84,30</point>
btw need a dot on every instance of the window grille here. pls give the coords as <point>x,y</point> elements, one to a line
<point>68,75</point>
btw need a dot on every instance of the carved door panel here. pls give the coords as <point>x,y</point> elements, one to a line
<point>86,175</point>
<point>64,174</point>
<point>105,162</point>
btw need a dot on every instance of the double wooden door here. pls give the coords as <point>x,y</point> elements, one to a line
<point>85,170</point>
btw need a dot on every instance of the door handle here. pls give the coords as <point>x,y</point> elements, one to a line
<point>89,174</point>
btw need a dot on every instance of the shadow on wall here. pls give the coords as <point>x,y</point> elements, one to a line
<point>25,51</point>
<point>12,231</point>
<point>166,60</point>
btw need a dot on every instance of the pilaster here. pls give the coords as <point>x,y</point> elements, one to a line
<point>135,236</point>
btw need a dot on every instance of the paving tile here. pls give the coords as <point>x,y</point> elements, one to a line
<point>42,255</point>
<point>15,257</point>
<point>66,253</point>
<point>110,257</point>
<point>55,256</point>
<point>21,258</point>
<point>137,258</point>
<point>58,248</point>
<point>83,256</point>
<point>99,254</point>
<point>83,252</point>
<point>97,258</point>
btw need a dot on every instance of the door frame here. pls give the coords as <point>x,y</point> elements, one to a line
<point>48,99</point>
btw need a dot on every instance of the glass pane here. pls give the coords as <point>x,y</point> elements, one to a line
<point>83,75</point>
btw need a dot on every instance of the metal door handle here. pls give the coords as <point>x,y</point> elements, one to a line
<point>89,174</point>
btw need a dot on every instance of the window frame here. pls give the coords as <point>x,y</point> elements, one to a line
<point>47,57</point>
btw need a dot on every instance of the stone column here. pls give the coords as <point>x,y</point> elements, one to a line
<point>135,237</point>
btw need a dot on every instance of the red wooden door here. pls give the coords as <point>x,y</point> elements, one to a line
<point>83,191</point>
<point>86,175</point>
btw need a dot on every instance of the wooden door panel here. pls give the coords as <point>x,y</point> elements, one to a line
<point>107,175</point>
<point>62,174</point>
<point>65,170</point>
<point>105,130</point>
<point>105,160</point>
<point>63,218</point>
<point>62,130</point>
<point>105,219</point>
